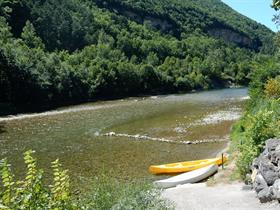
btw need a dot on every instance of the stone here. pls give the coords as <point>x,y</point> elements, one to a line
<point>265,195</point>
<point>276,189</point>
<point>259,184</point>
<point>269,171</point>
<point>271,144</point>
<point>270,177</point>
<point>255,164</point>
<point>266,172</point>
<point>275,156</point>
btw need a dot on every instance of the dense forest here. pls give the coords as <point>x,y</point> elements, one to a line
<point>60,52</point>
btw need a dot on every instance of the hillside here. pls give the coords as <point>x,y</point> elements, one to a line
<point>180,18</point>
<point>69,51</point>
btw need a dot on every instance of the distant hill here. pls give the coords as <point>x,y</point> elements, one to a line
<point>59,52</point>
<point>179,18</point>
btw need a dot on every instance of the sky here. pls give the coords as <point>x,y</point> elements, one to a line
<point>258,10</point>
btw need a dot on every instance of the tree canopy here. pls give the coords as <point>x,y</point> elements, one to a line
<point>69,51</point>
<point>276,4</point>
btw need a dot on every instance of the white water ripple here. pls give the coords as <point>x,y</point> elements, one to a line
<point>218,117</point>
<point>55,112</point>
<point>148,138</point>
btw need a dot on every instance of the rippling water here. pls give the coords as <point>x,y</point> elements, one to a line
<point>82,136</point>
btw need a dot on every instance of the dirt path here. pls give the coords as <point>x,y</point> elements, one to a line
<point>234,196</point>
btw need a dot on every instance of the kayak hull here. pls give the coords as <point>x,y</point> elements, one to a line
<point>180,167</point>
<point>189,177</point>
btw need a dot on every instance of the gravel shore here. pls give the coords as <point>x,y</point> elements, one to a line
<point>234,196</point>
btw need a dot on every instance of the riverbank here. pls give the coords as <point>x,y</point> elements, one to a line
<point>222,191</point>
<point>233,196</point>
<point>225,190</point>
<point>8,109</point>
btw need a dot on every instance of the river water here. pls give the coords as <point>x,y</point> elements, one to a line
<point>124,136</point>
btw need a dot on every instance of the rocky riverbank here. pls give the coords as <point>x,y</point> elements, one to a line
<point>222,193</point>
<point>266,172</point>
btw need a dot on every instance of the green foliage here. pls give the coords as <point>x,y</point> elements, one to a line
<point>262,118</point>
<point>107,192</point>
<point>7,182</point>
<point>30,38</point>
<point>276,4</point>
<point>272,88</point>
<point>59,52</point>
<point>261,122</point>
<point>264,69</point>
<point>60,189</point>
<point>31,193</point>
<point>257,126</point>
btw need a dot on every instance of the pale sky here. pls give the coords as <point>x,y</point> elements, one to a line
<point>258,10</point>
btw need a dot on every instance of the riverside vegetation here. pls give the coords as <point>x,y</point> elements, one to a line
<point>107,193</point>
<point>262,118</point>
<point>260,122</point>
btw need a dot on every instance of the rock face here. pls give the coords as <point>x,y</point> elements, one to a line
<point>231,36</point>
<point>164,23</point>
<point>266,167</point>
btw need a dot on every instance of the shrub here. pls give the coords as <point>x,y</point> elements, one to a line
<point>259,124</point>
<point>272,88</point>
<point>30,193</point>
<point>107,192</point>
<point>247,154</point>
<point>260,127</point>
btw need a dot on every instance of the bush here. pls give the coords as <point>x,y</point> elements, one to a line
<point>107,192</point>
<point>272,88</point>
<point>30,193</point>
<point>259,124</point>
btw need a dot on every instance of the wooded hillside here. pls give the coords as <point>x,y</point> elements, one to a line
<point>69,51</point>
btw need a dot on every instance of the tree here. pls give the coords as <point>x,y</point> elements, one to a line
<point>276,4</point>
<point>30,37</point>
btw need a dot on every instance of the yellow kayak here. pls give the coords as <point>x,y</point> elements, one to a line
<point>185,166</point>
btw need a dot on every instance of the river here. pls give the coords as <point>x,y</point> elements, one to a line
<point>124,136</point>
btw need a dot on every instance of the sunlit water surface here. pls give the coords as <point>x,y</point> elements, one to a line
<point>75,135</point>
